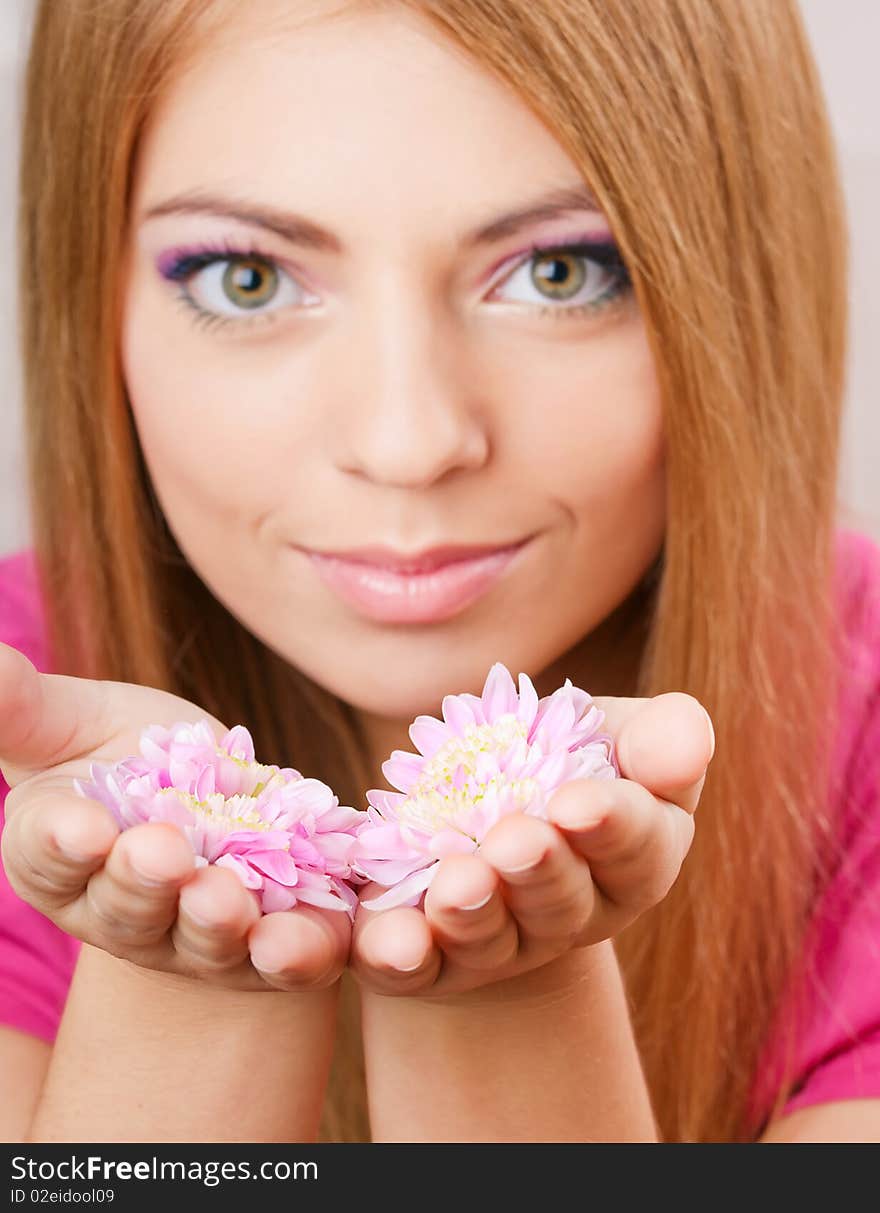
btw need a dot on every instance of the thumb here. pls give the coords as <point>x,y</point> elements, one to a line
<point>45,719</point>
<point>49,719</point>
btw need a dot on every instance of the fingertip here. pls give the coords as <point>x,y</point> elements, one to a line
<point>518,843</point>
<point>711,734</point>
<point>84,834</point>
<point>399,940</point>
<point>294,947</point>
<point>461,881</point>
<point>215,899</point>
<point>575,807</point>
<point>159,852</point>
<point>663,746</point>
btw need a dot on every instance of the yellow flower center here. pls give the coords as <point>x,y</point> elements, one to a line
<point>264,771</point>
<point>436,802</point>
<point>234,813</point>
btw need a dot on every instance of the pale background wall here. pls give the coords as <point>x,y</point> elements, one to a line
<point>845,35</point>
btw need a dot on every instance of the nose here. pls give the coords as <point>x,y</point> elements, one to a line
<point>411,416</point>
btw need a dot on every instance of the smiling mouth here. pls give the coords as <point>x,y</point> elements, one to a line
<point>425,561</point>
<point>398,595</point>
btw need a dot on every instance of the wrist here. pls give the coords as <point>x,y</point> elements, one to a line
<point>185,991</point>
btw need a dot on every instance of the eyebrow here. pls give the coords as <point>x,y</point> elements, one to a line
<point>298,229</point>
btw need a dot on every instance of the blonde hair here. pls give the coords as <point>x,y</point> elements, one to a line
<point>701,129</point>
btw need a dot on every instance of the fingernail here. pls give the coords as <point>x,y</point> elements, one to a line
<point>522,867</point>
<point>711,732</point>
<point>272,967</point>
<point>407,968</point>
<point>478,905</point>
<point>576,818</point>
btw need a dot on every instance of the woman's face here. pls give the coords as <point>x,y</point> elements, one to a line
<point>396,382</point>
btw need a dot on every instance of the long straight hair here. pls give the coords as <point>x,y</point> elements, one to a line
<point>702,131</point>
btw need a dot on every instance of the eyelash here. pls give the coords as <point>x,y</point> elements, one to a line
<point>604,253</point>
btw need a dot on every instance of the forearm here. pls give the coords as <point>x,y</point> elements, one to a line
<point>144,1056</point>
<point>549,1056</point>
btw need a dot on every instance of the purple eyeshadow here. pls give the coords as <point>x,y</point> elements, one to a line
<point>177,263</point>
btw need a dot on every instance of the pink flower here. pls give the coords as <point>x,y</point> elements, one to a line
<point>493,754</point>
<point>285,836</point>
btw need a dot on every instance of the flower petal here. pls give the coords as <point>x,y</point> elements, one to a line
<point>324,898</point>
<point>239,743</point>
<point>389,871</point>
<point>428,734</point>
<point>403,769</point>
<point>451,842</point>
<point>384,802</point>
<point>340,817</point>
<point>407,892</point>
<point>248,877</point>
<point>528,702</point>
<point>277,897</point>
<point>499,693</point>
<point>204,785</point>
<point>382,842</point>
<point>457,714</point>
<point>277,865</point>
<point>554,718</point>
<point>309,795</point>
<point>475,703</point>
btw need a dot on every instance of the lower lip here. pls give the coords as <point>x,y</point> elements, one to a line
<point>388,597</point>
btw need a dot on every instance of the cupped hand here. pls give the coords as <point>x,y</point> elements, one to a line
<point>609,851</point>
<point>137,893</point>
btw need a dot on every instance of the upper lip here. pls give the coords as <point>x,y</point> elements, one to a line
<point>417,562</point>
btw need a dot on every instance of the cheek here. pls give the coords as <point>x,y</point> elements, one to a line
<point>217,425</point>
<point>587,428</point>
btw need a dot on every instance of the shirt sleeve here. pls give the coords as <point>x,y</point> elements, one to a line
<point>37,958</point>
<point>36,961</point>
<point>839,1051</point>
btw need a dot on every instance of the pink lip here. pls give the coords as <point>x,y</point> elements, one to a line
<point>450,580</point>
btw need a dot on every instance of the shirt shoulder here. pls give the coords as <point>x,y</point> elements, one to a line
<point>857,575</point>
<point>857,758</point>
<point>837,1040</point>
<point>22,623</point>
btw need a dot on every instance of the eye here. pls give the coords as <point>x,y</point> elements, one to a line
<point>232,285</point>
<point>569,277</point>
<point>223,285</point>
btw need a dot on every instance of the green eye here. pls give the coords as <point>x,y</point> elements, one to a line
<point>221,286</point>
<point>559,275</point>
<point>570,279</point>
<point>249,283</point>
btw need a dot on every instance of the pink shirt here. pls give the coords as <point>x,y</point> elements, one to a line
<point>838,1048</point>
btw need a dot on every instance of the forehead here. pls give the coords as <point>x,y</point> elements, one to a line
<point>347,107</point>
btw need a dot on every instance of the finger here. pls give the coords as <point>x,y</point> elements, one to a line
<point>633,842</point>
<point>468,915</point>
<point>546,885</point>
<point>393,951</point>
<point>215,914</point>
<point>51,846</point>
<point>300,949</point>
<point>665,743</point>
<point>45,718</point>
<point>132,900</point>
<point>48,719</point>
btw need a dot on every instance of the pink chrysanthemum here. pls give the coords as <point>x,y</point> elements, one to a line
<point>493,754</point>
<point>285,836</point>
